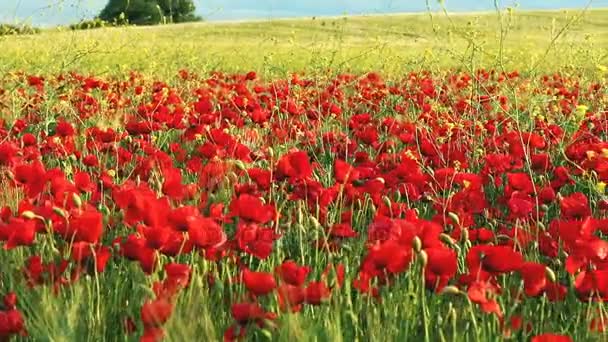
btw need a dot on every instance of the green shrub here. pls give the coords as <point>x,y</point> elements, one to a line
<point>149,12</point>
<point>98,23</point>
<point>6,29</point>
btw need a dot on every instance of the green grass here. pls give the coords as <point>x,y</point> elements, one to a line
<point>530,40</point>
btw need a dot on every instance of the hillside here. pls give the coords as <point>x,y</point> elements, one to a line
<point>387,43</point>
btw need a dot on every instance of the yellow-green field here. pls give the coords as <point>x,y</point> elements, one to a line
<point>524,40</point>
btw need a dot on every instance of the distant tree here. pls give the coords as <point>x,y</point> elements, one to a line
<point>149,12</point>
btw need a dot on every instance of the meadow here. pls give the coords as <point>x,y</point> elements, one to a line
<point>424,177</point>
<point>545,41</point>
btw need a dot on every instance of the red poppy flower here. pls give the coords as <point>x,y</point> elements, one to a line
<point>294,165</point>
<point>575,206</point>
<point>291,297</point>
<point>481,293</point>
<point>255,240</point>
<point>205,232</point>
<point>156,312</point>
<point>178,273</point>
<point>244,313</point>
<point>534,278</point>
<point>258,283</point>
<point>551,338</point>
<point>441,266</point>
<point>251,208</point>
<point>291,273</point>
<point>18,232</point>
<point>494,259</point>
<point>316,293</point>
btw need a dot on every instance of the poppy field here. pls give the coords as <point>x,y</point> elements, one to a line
<point>342,203</point>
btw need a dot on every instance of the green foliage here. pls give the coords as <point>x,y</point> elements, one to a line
<point>149,12</point>
<point>97,23</point>
<point>6,29</point>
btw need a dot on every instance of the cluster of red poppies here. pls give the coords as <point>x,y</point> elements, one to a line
<point>464,175</point>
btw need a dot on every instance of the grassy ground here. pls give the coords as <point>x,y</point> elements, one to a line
<point>546,40</point>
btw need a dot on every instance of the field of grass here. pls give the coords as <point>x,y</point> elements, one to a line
<point>382,178</point>
<point>545,40</point>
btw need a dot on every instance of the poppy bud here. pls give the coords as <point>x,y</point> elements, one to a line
<point>240,165</point>
<point>544,207</point>
<point>111,173</point>
<point>266,333</point>
<point>503,237</point>
<point>445,238</point>
<point>424,258</point>
<point>315,222</point>
<point>450,290</point>
<point>77,200</point>
<point>60,212</point>
<point>550,274</point>
<point>28,214</point>
<point>417,244</point>
<point>454,217</point>
<point>387,201</point>
<point>270,152</point>
<point>465,235</point>
<point>541,225</point>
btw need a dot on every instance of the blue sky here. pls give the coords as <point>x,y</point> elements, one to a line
<point>53,12</point>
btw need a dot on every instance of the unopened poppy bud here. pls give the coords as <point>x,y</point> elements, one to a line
<point>450,290</point>
<point>111,173</point>
<point>417,244</point>
<point>266,333</point>
<point>550,274</point>
<point>454,218</point>
<point>544,207</point>
<point>424,258</point>
<point>28,214</point>
<point>315,222</point>
<point>445,238</point>
<point>240,165</point>
<point>60,212</point>
<point>465,234</point>
<point>270,152</point>
<point>77,200</point>
<point>541,225</point>
<point>503,237</point>
<point>263,200</point>
<point>387,201</point>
